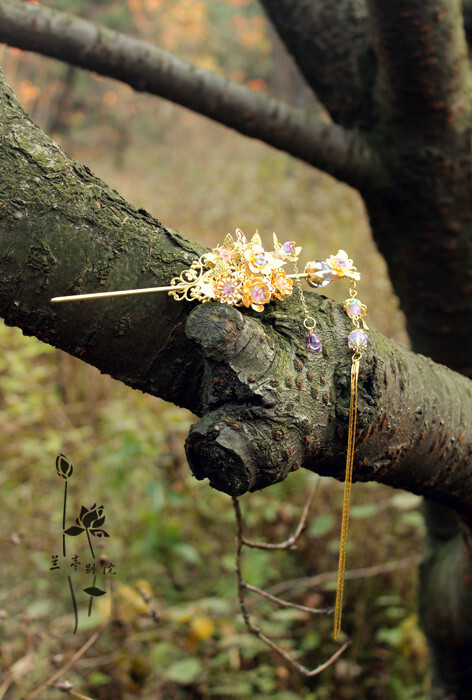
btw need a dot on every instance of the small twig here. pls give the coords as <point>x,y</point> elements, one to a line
<point>286,603</point>
<point>289,659</point>
<point>80,652</point>
<point>67,687</point>
<point>243,586</point>
<point>366,572</point>
<point>291,541</point>
<point>152,610</point>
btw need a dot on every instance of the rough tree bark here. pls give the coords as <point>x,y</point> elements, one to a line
<point>402,137</point>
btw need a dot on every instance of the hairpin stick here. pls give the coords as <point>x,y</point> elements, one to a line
<point>119,293</point>
<point>148,290</point>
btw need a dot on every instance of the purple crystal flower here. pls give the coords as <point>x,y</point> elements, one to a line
<point>313,343</point>
<point>259,293</point>
<point>228,289</point>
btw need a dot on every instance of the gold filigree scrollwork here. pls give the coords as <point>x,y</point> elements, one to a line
<point>193,283</point>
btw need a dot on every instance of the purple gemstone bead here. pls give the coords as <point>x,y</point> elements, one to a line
<point>288,247</point>
<point>357,340</point>
<point>313,343</point>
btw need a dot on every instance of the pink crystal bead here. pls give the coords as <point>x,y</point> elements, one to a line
<point>354,310</point>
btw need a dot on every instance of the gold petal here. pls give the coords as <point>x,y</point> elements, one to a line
<point>221,268</point>
<point>256,239</point>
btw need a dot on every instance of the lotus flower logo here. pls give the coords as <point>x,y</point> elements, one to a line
<point>89,521</point>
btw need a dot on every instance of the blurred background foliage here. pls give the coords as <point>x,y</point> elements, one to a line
<point>169,625</point>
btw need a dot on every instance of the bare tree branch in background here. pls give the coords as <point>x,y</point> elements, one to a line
<point>146,68</point>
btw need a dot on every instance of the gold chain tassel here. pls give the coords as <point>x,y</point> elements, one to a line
<point>351,442</point>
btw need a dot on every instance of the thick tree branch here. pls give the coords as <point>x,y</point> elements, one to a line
<point>343,154</point>
<point>270,408</point>
<point>63,230</point>
<point>421,219</point>
<point>267,408</point>
<point>330,42</point>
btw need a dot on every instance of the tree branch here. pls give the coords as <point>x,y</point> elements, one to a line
<point>269,408</point>
<point>62,230</point>
<point>330,42</point>
<point>421,218</point>
<point>340,153</point>
<point>243,586</point>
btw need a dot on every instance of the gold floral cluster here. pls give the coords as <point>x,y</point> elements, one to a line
<point>238,272</point>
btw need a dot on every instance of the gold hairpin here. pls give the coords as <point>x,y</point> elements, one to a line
<point>242,273</point>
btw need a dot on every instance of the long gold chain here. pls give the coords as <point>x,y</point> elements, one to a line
<point>357,341</point>
<point>351,442</point>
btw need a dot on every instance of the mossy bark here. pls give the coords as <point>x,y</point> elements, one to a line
<point>64,231</point>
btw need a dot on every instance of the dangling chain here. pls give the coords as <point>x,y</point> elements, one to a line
<point>313,343</point>
<point>357,341</point>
